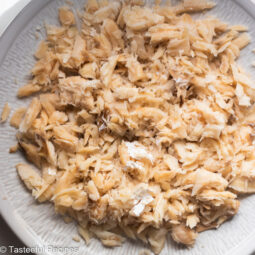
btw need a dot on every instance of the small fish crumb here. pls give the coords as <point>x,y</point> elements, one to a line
<point>69,2</point>
<point>76,238</point>
<point>14,148</point>
<point>145,252</point>
<point>37,35</point>
<point>67,219</point>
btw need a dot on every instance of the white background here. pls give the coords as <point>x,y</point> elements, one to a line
<point>8,10</point>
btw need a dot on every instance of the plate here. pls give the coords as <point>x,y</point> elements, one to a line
<point>37,225</point>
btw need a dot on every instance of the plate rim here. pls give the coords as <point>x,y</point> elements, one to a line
<point>26,234</point>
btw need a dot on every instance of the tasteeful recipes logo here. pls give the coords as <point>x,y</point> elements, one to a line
<point>38,249</point>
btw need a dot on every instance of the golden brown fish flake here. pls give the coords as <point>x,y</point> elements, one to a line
<point>28,90</point>
<point>66,16</point>
<point>5,113</point>
<point>17,117</point>
<point>31,113</point>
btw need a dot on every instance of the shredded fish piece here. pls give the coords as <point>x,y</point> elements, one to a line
<point>28,90</point>
<point>182,234</point>
<point>5,113</point>
<point>136,151</point>
<point>140,206</point>
<point>144,124</point>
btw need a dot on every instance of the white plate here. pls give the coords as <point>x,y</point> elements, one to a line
<point>36,224</point>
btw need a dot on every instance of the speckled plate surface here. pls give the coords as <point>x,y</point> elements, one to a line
<point>36,224</point>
